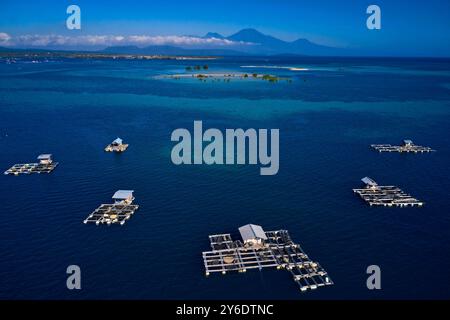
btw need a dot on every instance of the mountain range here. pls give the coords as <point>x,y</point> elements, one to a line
<point>244,42</point>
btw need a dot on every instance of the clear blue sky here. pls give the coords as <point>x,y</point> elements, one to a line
<point>408,27</point>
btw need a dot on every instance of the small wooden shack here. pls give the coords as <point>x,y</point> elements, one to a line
<point>123,197</point>
<point>252,234</point>
<point>45,159</point>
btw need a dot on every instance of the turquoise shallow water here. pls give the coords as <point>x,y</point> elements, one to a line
<point>327,116</point>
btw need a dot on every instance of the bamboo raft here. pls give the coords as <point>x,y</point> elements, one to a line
<point>408,146</point>
<point>45,165</point>
<point>386,196</point>
<point>117,213</point>
<point>277,251</point>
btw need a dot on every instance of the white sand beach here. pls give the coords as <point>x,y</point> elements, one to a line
<point>278,67</point>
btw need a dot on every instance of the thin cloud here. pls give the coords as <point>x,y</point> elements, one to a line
<point>110,40</point>
<point>4,37</point>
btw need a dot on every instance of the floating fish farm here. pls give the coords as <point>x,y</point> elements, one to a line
<point>408,147</point>
<point>45,165</point>
<point>260,249</point>
<point>386,196</point>
<point>117,213</point>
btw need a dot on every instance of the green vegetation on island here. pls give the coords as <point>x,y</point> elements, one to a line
<point>270,78</point>
<point>226,77</point>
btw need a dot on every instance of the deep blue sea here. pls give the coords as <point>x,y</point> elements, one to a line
<point>327,116</point>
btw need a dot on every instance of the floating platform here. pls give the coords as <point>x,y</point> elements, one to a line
<point>116,146</point>
<point>275,250</point>
<point>408,146</point>
<point>386,196</point>
<point>116,213</point>
<point>45,165</point>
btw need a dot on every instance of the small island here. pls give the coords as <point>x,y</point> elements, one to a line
<point>225,77</point>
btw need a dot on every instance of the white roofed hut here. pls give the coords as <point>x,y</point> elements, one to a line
<point>116,146</point>
<point>369,182</point>
<point>253,235</point>
<point>45,159</point>
<point>408,143</point>
<point>123,197</point>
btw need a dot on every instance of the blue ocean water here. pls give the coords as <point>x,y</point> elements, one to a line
<point>327,116</point>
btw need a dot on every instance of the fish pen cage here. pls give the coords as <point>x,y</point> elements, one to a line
<point>117,213</point>
<point>386,196</point>
<point>408,146</point>
<point>116,146</point>
<point>45,165</point>
<point>260,249</point>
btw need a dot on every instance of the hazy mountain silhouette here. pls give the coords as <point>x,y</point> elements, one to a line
<point>213,35</point>
<point>246,41</point>
<point>254,36</point>
<point>266,44</point>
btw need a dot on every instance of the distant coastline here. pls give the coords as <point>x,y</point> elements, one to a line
<point>12,54</point>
